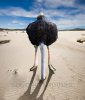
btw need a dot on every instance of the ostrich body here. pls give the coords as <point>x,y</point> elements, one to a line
<point>42,33</point>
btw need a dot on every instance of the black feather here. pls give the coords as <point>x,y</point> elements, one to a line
<point>42,31</point>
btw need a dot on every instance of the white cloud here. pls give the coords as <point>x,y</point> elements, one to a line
<point>16,11</point>
<point>65,19</point>
<point>56,3</point>
<point>73,22</point>
<point>18,22</point>
<point>0,14</point>
<point>39,1</point>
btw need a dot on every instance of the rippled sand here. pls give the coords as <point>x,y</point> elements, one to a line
<point>17,56</point>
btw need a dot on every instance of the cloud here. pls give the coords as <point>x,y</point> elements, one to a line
<point>0,14</point>
<point>18,22</point>
<point>65,13</point>
<point>64,20</point>
<point>56,3</point>
<point>49,4</point>
<point>80,2</point>
<point>39,1</point>
<point>17,11</point>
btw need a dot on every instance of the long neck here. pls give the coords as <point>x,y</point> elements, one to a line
<point>42,48</point>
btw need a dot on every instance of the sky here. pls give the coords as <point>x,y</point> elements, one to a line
<point>66,14</point>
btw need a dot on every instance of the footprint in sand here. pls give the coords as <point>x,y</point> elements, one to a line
<point>15,71</point>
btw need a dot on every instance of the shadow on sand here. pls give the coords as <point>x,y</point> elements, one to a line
<point>33,96</point>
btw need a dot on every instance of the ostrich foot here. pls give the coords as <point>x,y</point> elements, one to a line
<point>33,68</point>
<point>52,68</point>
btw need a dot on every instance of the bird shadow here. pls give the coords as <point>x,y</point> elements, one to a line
<point>28,96</point>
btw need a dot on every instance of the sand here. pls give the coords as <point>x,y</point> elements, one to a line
<point>17,57</point>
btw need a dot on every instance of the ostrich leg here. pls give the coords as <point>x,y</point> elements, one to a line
<point>48,55</point>
<point>49,65</point>
<point>35,59</point>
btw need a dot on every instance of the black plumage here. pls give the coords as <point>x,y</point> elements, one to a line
<point>42,31</point>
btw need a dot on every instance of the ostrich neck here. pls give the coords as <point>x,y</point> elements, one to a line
<point>42,48</point>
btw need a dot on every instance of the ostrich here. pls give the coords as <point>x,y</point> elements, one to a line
<point>41,33</point>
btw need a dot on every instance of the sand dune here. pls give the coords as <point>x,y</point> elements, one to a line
<point>16,58</point>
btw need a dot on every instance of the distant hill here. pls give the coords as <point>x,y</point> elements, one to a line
<point>2,29</point>
<point>75,29</point>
